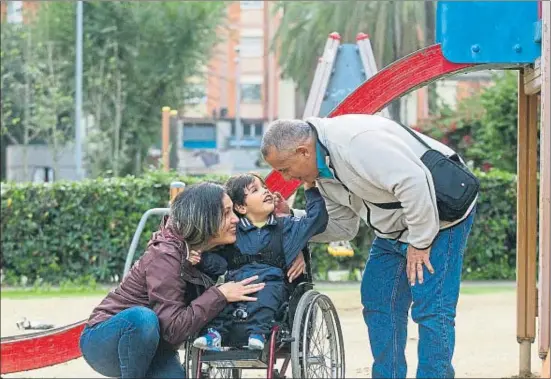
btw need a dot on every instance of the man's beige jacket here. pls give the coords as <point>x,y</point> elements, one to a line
<point>379,178</point>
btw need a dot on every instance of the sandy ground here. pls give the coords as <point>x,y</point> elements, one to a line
<point>486,343</point>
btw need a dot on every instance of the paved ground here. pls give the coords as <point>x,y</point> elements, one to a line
<point>486,341</point>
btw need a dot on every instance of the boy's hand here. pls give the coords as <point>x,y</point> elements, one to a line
<point>281,206</point>
<point>308,185</point>
<point>194,257</point>
<point>297,268</point>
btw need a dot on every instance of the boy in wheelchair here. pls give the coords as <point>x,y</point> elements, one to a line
<point>266,246</point>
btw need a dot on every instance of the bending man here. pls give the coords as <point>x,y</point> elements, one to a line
<point>369,167</point>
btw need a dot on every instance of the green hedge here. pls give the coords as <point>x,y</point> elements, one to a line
<point>77,231</point>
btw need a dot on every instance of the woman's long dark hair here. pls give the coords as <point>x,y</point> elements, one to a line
<point>196,214</point>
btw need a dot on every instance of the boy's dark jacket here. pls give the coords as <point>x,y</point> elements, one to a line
<point>251,240</point>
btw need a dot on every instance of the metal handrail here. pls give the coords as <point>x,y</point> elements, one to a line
<point>138,233</point>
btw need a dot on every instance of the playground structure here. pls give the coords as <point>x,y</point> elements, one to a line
<point>518,39</point>
<point>340,70</point>
<point>169,139</point>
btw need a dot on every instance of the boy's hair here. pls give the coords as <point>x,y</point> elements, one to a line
<point>236,185</point>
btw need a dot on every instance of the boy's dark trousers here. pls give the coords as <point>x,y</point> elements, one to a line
<point>261,313</point>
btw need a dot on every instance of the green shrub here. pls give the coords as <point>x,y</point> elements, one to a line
<point>68,230</point>
<point>80,232</point>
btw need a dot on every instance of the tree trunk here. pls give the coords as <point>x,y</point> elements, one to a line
<point>55,154</point>
<point>117,126</point>
<point>138,162</point>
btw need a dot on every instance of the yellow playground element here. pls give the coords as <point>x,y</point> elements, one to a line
<point>340,249</point>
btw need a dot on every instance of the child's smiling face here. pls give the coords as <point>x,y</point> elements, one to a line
<point>259,202</point>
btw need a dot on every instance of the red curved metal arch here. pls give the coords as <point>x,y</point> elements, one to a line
<point>392,82</point>
<point>424,66</point>
<point>43,349</point>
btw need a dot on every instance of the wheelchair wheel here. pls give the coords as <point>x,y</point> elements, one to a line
<point>191,359</point>
<point>318,349</point>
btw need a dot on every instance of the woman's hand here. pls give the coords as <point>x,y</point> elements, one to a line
<point>297,268</point>
<point>194,257</point>
<point>238,291</point>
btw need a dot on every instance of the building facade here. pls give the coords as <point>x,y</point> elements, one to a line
<point>240,92</point>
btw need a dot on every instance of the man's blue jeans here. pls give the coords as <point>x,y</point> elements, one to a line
<point>387,297</point>
<point>128,345</point>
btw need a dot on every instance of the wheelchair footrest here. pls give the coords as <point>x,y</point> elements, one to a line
<point>236,358</point>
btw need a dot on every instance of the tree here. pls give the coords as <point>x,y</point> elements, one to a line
<point>52,103</point>
<point>16,59</point>
<point>137,57</point>
<point>305,26</point>
<point>483,128</point>
<point>35,106</point>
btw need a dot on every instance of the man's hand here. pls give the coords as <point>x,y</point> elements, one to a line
<point>281,206</point>
<point>297,268</point>
<point>194,257</point>
<point>415,261</point>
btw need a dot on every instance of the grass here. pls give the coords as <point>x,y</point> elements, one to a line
<point>80,291</point>
<point>483,290</point>
<point>478,289</point>
<point>34,293</point>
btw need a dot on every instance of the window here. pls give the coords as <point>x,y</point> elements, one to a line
<point>199,136</point>
<point>15,12</point>
<point>251,93</point>
<point>252,129</point>
<point>251,47</point>
<point>196,94</point>
<point>251,4</point>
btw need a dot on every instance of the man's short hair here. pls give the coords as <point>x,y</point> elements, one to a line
<point>285,134</point>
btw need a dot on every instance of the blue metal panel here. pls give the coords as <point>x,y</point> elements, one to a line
<point>488,31</point>
<point>347,75</point>
<point>199,144</point>
<point>245,142</point>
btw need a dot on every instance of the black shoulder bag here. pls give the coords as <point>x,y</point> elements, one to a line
<point>455,186</point>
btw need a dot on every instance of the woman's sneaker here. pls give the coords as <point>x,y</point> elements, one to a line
<point>210,341</point>
<point>256,342</point>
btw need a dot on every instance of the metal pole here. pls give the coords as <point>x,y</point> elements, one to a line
<point>78,92</point>
<point>238,126</point>
<point>138,233</point>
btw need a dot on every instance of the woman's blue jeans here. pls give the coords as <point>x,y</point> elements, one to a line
<point>387,297</point>
<point>129,345</point>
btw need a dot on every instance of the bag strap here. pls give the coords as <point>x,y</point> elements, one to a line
<point>414,135</point>
<point>277,237</point>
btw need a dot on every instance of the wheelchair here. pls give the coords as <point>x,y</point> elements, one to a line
<point>307,335</point>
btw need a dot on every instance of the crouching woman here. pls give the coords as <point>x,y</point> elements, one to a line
<point>136,330</point>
